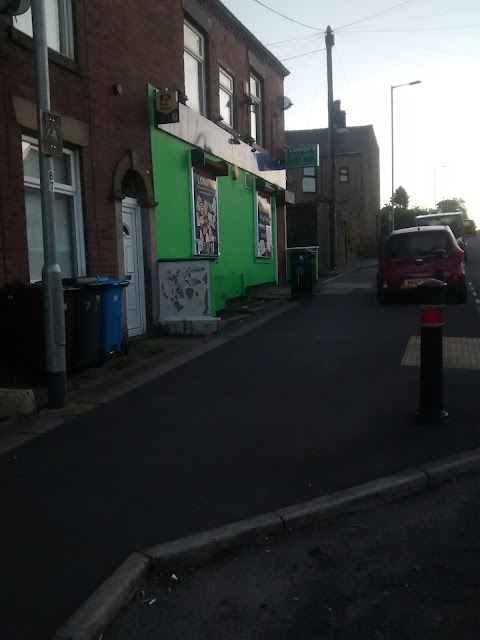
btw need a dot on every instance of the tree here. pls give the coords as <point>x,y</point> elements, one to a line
<point>401,198</point>
<point>453,204</point>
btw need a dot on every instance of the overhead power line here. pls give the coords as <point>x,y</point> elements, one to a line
<point>282,15</point>
<point>300,55</point>
<point>273,44</point>
<point>432,15</point>
<point>452,28</point>
<point>380,13</point>
<point>414,46</point>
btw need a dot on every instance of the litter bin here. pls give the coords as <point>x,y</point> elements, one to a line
<point>87,320</point>
<point>111,337</point>
<point>302,273</point>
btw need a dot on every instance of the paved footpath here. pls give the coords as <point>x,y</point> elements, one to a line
<point>405,571</point>
<point>312,401</point>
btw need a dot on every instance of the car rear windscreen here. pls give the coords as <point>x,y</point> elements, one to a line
<point>421,243</point>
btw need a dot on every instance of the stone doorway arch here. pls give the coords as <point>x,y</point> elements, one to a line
<point>132,180</point>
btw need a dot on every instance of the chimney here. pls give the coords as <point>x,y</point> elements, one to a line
<point>340,117</point>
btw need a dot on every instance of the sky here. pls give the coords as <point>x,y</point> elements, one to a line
<point>380,43</point>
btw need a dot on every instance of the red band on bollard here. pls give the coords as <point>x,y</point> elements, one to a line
<point>431,317</point>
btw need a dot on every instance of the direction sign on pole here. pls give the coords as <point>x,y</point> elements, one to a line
<point>51,140</point>
<point>306,155</point>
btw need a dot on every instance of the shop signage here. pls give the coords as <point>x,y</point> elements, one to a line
<point>205,215</point>
<point>306,155</point>
<point>264,227</point>
<point>166,107</point>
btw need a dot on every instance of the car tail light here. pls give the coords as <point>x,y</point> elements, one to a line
<point>455,278</point>
<point>458,256</point>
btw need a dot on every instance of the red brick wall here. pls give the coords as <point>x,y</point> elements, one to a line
<point>127,43</point>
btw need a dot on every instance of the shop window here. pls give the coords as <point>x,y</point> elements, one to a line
<point>194,68</point>
<point>309,184</point>
<point>68,212</point>
<point>59,21</point>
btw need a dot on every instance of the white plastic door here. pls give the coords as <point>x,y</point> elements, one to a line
<point>133,257</point>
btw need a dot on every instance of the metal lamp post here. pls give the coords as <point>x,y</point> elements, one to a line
<point>406,84</point>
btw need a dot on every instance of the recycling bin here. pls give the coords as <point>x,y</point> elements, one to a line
<point>302,273</point>
<point>112,298</point>
<point>87,320</point>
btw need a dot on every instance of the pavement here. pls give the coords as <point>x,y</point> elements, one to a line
<point>404,571</point>
<point>311,402</point>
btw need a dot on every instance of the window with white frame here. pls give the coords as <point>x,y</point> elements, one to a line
<point>68,212</point>
<point>256,109</point>
<point>309,180</point>
<point>226,97</point>
<point>194,68</point>
<point>59,21</point>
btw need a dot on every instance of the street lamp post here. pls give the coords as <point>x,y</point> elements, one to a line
<point>406,84</point>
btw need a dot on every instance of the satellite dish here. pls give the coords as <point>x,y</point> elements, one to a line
<point>14,7</point>
<point>284,103</point>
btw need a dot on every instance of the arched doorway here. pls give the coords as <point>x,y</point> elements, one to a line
<point>136,246</point>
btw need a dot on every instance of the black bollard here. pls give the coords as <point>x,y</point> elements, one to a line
<point>432,296</point>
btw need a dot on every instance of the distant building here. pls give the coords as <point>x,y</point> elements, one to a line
<point>357,170</point>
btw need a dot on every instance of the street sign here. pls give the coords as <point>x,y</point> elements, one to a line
<point>306,155</point>
<point>51,140</point>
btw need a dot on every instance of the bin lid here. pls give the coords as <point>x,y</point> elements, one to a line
<point>82,282</point>
<point>116,282</point>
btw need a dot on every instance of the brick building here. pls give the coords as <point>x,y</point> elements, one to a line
<point>357,175</point>
<point>102,57</point>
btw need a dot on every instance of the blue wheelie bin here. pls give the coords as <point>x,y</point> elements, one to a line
<point>111,339</point>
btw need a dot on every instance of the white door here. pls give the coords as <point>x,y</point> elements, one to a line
<point>133,257</point>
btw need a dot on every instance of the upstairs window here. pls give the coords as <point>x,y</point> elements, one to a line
<point>256,109</point>
<point>58,15</point>
<point>309,180</point>
<point>226,98</point>
<point>343,174</point>
<point>194,68</point>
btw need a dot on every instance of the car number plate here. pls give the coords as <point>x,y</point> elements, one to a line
<point>408,284</point>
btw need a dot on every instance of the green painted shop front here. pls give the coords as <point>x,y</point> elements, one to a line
<point>237,265</point>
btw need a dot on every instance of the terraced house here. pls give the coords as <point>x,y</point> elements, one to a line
<point>171,174</point>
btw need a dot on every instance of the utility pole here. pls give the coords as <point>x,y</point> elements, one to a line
<point>332,207</point>
<point>53,305</point>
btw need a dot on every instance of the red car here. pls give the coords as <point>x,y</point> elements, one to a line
<point>415,254</point>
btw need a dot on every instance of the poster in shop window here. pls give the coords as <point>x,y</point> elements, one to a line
<point>205,215</point>
<point>264,227</point>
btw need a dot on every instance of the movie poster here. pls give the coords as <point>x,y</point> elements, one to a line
<point>205,215</point>
<point>264,227</point>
